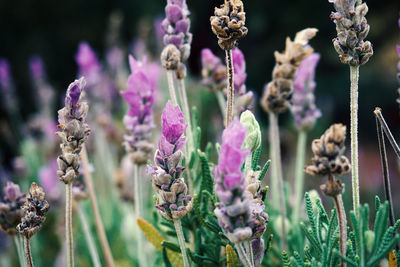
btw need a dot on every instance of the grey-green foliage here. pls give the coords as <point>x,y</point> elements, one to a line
<point>365,246</point>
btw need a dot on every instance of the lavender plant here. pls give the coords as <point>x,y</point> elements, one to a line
<point>352,28</point>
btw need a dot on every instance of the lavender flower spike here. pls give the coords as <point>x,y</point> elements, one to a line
<point>139,119</point>
<point>73,131</point>
<point>173,201</point>
<point>11,208</point>
<point>303,107</point>
<point>398,65</point>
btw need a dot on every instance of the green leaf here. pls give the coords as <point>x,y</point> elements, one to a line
<point>264,170</point>
<point>349,261</point>
<point>170,245</point>
<point>285,259</point>
<point>167,263</point>
<point>255,158</point>
<point>231,257</point>
<point>311,216</point>
<point>312,239</point>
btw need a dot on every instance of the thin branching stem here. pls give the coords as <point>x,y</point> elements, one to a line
<point>88,236</point>
<point>171,87</point>
<point>28,254</point>
<point>181,240</point>
<point>69,238</point>
<point>96,212</point>
<point>354,76</point>
<point>278,195</point>
<point>230,89</point>
<point>299,173</point>
<point>138,214</point>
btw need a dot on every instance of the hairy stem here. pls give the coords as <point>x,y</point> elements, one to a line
<point>341,215</point>
<point>242,255</point>
<point>354,75</point>
<point>69,239</point>
<point>171,87</point>
<point>278,195</point>
<point>138,212</point>
<point>221,103</point>
<point>230,89</point>
<point>20,250</point>
<point>88,236</point>
<point>299,174</point>
<point>99,224</point>
<point>186,113</point>
<point>28,254</point>
<point>181,240</point>
<point>249,249</point>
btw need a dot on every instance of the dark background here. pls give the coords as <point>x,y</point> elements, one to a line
<point>53,30</point>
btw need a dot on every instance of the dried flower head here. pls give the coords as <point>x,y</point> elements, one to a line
<point>328,153</point>
<point>173,200</point>
<point>303,107</point>
<point>352,28</point>
<point>139,119</point>
<point>35,209</point>
<point>278,92</point>
<point>73,131</point>
<point>11,208</point>
<point>228,23</point>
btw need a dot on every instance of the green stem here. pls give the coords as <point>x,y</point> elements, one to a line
<point>88,235</point>
<point>277,191</point>
<point>186,113</point>
<point>20,250</point>
<point>95,207</point>
<point>242,255</point>
<point>354,75</point>
<point>221,102</point>
<point>68,225</point>
<point>230,89</point>
<point>138,212</point>
<point>171,87</point>
<point>181,240</point>
<point>341,215</point>
<point>299,174</point>
<point>250,252</point>
<point>28,254</point>
<point>247,164</point>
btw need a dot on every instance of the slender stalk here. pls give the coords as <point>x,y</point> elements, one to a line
<point>249,249</point>
<point>99,224</point>
<point>88,236</point>
<point>230,89</point>
<point>20,251</point>
<point>247,164</point>
<point>221,103</point>
<point>388,133</point>
<point>69,238</point>
<point>242,255</point>
<point>278,195</point>
<point>354,75</point>
<point>186,113</point>
<point>341,215</point>
<point>28,254</point>
<point>299,173</point>
<point>138,212</point>
<point>181,240</point>
<point>171,87</point>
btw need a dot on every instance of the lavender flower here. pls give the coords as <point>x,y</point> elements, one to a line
<point>176,27</point>
<point>5,73</point>
<point>139,119</point>
<point>11,208</point>
<point>36,67</point>
<point>173,201</point>
<point>213,70</point>
<point>352,28</point>
<point>258,250</point>
<point>398,65</point>
<point>7,89</point>
<point>239,67</point>
<point>73,131</point>
<point>87,61</point>
<point>48,180</point>
<point>303,107</point>
<point>35,209</point>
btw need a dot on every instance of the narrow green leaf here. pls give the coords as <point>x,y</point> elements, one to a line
<point>264,170</point>
<point>255,158</point>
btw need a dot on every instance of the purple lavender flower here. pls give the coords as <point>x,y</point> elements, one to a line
<point>258,250</point>
<point>7,89</point>
<point>239,67</point>
<point>398,65</point>
<point>5,74</point>
<point>139,119</point>
<point>87,60</point>
<point>173,201</point>
<point>303,107</point>
<point>176,27</point>
<point>36,67</point>
<point>11,208</point>
<point>213,70</point>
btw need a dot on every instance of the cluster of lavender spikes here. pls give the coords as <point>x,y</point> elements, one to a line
<point>73,131</point>
<point>173,202</point>
<point>139,119</point>
<point>241,212</point>
<point>303,106</point>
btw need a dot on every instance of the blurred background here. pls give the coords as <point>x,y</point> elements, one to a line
<point>54,29</point>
